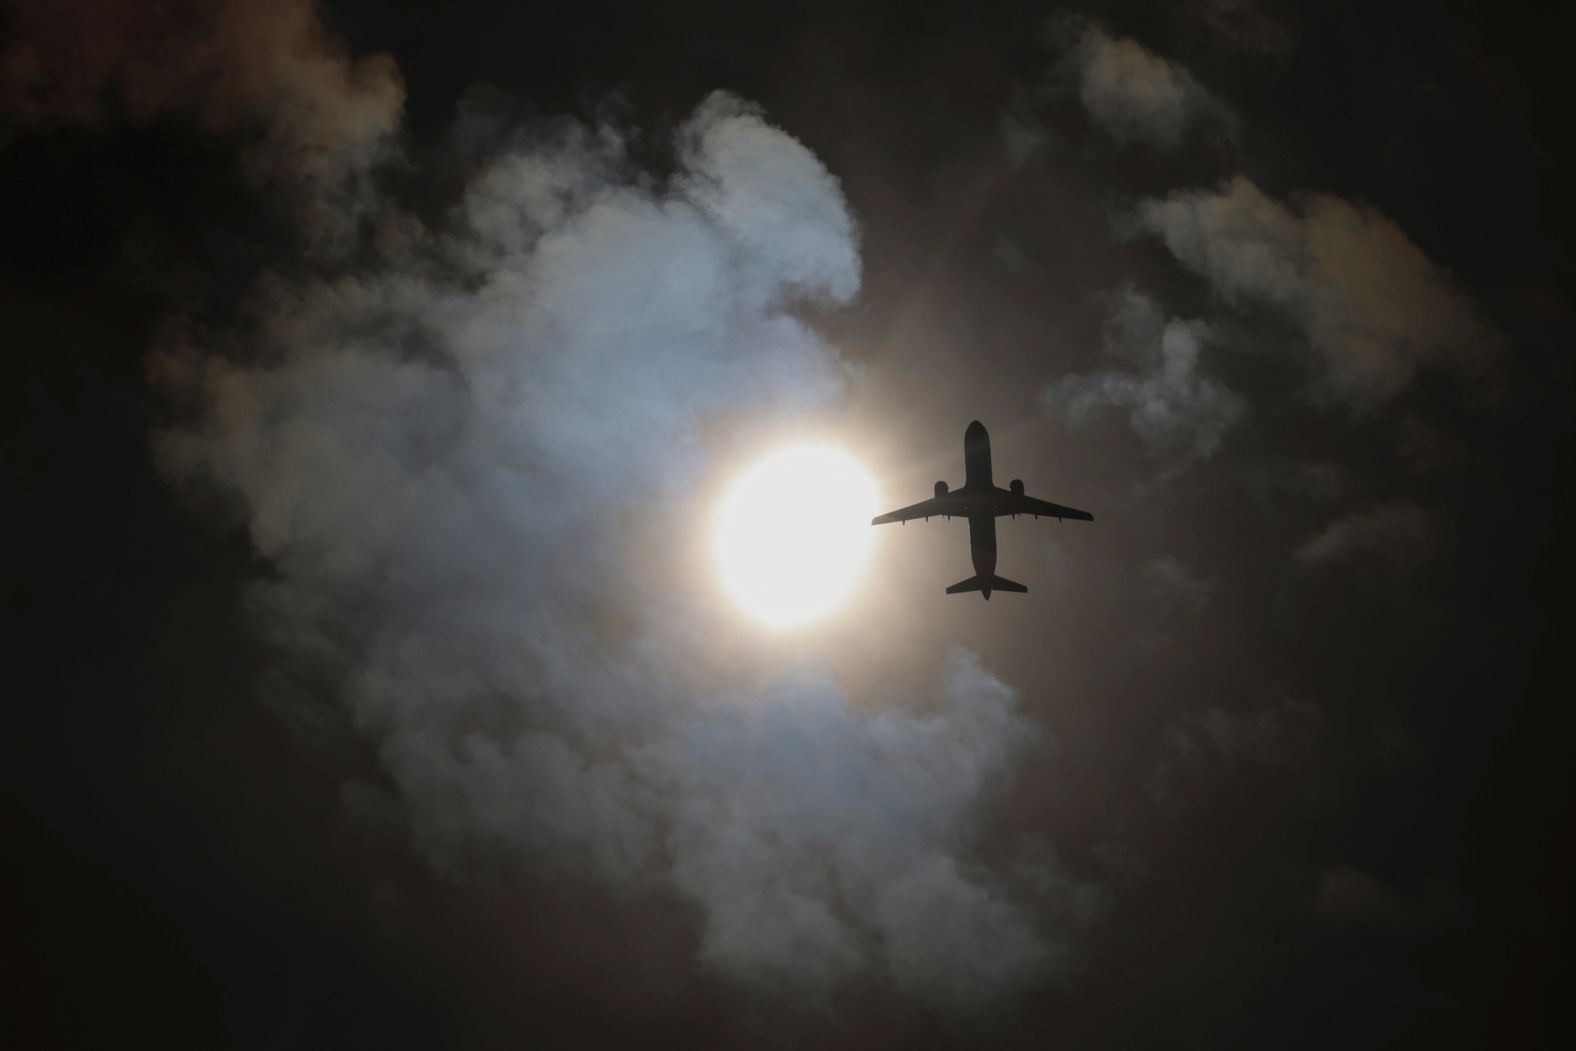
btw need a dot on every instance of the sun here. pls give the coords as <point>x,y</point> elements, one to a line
<point>792,534</point>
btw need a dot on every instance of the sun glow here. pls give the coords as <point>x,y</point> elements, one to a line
<point>792,534</point>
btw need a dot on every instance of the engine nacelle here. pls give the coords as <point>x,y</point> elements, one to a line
<point>1017,487</point>
<point>941,488</point>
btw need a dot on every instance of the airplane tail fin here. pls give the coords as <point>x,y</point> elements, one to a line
<point>979,584</point>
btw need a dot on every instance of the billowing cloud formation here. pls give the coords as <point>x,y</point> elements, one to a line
<point>1131,92</point>
<point>264,70</point>
<point>462,467</point>
<point>1397,533</point>
<point>810,834</point>
<point>1170,402</point>
<point>1375,308</point>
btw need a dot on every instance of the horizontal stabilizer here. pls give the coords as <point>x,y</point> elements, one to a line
<point>979,584</point>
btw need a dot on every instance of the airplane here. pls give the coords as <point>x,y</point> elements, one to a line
<point>981,501</point>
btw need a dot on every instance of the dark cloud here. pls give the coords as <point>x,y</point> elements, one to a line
<point>1420,445</point>
<point>1135,95</point>
<point>1396,534</point>
<point>1173,584</point>
<point>1215,741</point>
<point>1255,26</point>
<point>1021,137</point>
<point>1356,899</point>
<point>1171,403</point>
<point>311,116</point>
<point>1375,309</point>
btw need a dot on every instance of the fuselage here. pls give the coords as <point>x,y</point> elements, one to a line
<point>977,482</point>
<point>981,501</point>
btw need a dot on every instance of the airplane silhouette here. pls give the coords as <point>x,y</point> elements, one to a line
<point>981,501</point>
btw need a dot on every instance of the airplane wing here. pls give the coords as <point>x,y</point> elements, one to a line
<point>933,508</point>
<point>1010,503</point>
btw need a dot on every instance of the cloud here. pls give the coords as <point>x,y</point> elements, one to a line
<point>1357,899</point>
<point>1172,585</point>
<point>1283,734</point>
<point>1375,309</point>
<point>1396,533</point>
<point>461,465</point>
<point>1021,138</point>
<point>1349,894</point>
<point>1420,445</point>
<point>1134,94</point>
<point>1274,733</point>
<point>954,940</point>
<point>815,838</point>
<point>1171,404</point>
<point>1245,25</point>
<point>313,118</point>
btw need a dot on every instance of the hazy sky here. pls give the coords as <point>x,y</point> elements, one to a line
<point>379,369</point>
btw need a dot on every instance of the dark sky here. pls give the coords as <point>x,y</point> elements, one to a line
<point>375,368</point>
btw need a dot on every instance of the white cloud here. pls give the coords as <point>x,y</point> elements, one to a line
<point>461,467</point>
<point>819,841</point>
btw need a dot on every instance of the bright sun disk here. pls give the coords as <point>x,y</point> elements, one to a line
<point>793,533</point>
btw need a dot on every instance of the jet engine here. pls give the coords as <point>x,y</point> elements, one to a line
<point>1017,487</point>
<point>941,489</point>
